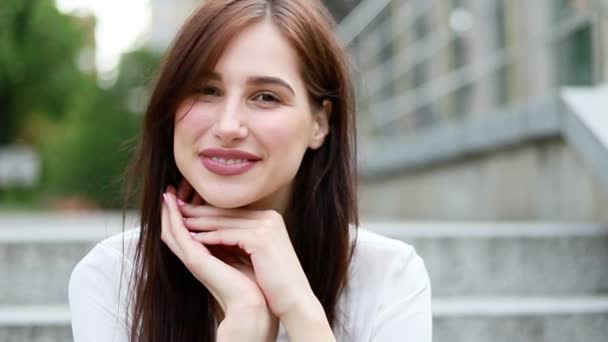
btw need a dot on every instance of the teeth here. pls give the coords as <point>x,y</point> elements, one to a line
<point>229,161</point>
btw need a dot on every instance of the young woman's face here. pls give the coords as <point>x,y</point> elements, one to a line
<point>255,101</point>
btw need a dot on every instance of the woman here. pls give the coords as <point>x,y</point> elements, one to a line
<point>252,119</point>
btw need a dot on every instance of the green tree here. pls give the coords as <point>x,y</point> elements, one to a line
<point>81,131</point>
<point>38,71</point>
<point>96,140</point>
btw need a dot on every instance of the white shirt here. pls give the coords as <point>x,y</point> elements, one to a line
<point>388,297</point>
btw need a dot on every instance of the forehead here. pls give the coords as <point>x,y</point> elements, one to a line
<point>259,50</point>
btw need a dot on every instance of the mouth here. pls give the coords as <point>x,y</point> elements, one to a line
<point>228,162</point>
<point>228,167</point>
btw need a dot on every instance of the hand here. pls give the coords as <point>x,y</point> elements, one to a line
<point>264,239</point>
<point>248,325</point>
<point>231,281</point>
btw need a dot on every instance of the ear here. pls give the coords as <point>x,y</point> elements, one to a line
<point>320,125</point>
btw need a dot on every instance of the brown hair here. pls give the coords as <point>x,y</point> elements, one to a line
<point>169,303</point>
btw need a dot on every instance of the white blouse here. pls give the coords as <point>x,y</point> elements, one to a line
<point>388,297</point>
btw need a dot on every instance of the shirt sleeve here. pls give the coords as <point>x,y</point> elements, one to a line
<point>404,313</point>
<point>93,298</point>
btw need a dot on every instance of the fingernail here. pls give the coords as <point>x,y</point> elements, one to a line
<point>180,202</point>
<point>165,197</point>
<point>192,233</point>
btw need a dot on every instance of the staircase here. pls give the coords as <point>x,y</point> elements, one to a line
<point>492,282</point>
<point>524,282</point>
<point>37,255</point>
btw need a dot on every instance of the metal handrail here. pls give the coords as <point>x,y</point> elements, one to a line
<point>417,10</point>
<point>359,18</point>
<point>428,93</point>
<point>417,52</point>
<point>601,40</point>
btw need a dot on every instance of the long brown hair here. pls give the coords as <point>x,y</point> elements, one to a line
<point>169,304</point>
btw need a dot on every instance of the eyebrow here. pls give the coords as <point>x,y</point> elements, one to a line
<point>258,80</point>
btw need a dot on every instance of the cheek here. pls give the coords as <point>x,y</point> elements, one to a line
<point>190,121</point>
<point>284,134</point>
<point>286,141</point>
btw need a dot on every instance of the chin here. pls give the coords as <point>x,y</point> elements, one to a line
<point>226,202</point>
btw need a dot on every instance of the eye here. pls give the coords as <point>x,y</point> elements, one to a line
<point>208,91</point>
<point>267,97</point>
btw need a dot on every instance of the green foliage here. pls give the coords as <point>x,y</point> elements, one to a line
<point>84,133</point>
<point>97,142</point>
<point>38,73</point>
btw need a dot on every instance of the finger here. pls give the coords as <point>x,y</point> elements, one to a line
<point>187,247</point>
<point>244,238</point>
<point>171,189</point>
<point>206,223</point>
<point>190,210</point>
<point>209,270</point>
<point>192,252</point>
<point>215,274</point>
<point>166,235</point>
<point>180,233</point>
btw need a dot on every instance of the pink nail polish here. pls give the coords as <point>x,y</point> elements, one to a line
<point>180,202</point>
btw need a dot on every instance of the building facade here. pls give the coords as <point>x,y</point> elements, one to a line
<point>423,62</point>
<point>167,17</point>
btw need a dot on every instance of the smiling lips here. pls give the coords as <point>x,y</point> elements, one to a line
<point>228,162</point>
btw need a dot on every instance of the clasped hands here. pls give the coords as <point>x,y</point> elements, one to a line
<point>243,257</point>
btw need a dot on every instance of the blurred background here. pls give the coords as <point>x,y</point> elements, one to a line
<point>483,140</point>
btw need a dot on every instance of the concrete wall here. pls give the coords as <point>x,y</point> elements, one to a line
<point>543,180</point>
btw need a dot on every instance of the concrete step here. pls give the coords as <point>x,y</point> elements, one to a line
<point>508,259</point>
<point>456,319</point>
<point>38,252</point>
<point>521,319</point>
<point>35,324</point>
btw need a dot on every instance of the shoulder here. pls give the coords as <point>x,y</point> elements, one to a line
<point>378,252</point>
<point>101,268</point>
<point>388,290</point>
<point>118,247</point>
<point>385,267</point>
<point>374,241</point>
<point>397,286</point>
<point>98,290</point>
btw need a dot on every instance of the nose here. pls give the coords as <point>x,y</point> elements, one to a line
<point>229,125</point>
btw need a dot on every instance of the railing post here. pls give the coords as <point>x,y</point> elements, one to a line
<point>601,40</point>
